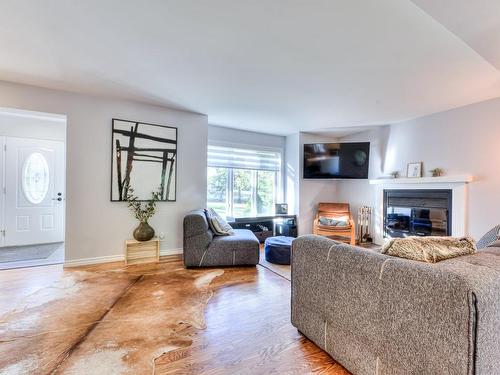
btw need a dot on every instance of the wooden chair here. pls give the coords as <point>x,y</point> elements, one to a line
<point>345,233</point>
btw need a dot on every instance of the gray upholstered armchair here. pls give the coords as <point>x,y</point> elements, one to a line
<point>203,249</point>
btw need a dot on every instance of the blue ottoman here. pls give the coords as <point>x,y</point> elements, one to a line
<point>277,249</point>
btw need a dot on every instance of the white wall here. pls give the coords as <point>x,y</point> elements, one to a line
<point>292,173</point>
<point>23,124</point>
<point>461,141</point>
<point>96,227</point>
<point>311,192</point>
<point>359,192</point>
<point>243,137</point>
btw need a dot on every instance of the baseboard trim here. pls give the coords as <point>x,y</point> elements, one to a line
<point>96,260</point>
<point>168,252</point>
<point>112,258</point>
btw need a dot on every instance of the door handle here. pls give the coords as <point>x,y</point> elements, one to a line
<point>57,199</point>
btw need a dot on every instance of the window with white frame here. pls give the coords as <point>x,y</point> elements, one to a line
<point>243,182</point>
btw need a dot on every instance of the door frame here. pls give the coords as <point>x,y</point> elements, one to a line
<point>17,120</point>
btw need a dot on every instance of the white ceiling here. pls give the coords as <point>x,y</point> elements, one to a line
<point>342,131</point>
<point>477,22</point>
<point>274,66</point>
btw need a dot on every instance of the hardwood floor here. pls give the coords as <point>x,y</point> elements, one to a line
<point>156,318</point>
<point>280,269</point>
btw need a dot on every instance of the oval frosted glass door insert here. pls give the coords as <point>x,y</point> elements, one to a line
<point>35,178</point>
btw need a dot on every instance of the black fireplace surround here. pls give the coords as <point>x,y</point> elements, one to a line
<point>422,212</point>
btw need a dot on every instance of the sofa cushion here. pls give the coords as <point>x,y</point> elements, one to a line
<point>217,224</point>
<point>241,239</point>
<point>240,248</point>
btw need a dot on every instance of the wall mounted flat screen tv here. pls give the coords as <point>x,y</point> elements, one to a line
<point>336,160</point>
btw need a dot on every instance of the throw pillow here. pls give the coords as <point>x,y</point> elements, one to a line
<point>489,238</point>
<point>429,249</point>
<point>217,224</point>
<point>334,222</point>
<point>210,221</point>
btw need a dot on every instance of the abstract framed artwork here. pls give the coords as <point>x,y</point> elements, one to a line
<point>144,157</point>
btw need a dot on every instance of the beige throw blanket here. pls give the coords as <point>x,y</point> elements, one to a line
<point>429,249</point>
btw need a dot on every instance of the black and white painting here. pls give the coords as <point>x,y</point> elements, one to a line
<point>144,158</point>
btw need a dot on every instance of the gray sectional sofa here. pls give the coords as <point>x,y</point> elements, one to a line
<point>203,249</point>
<point>377,314</point>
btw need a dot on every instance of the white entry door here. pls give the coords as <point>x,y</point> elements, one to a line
<point>34,191</point>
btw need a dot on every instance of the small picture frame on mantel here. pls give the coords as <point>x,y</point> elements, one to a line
<point>414,170</point>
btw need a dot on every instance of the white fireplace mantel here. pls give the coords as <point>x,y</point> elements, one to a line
<point>464,179</point>
<point>457,184</point>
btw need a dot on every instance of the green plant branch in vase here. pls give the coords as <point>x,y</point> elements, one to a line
<point>142,212</point>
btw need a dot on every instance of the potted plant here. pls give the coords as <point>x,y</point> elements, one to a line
<point>144,232</point>
<point>436,172</point>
